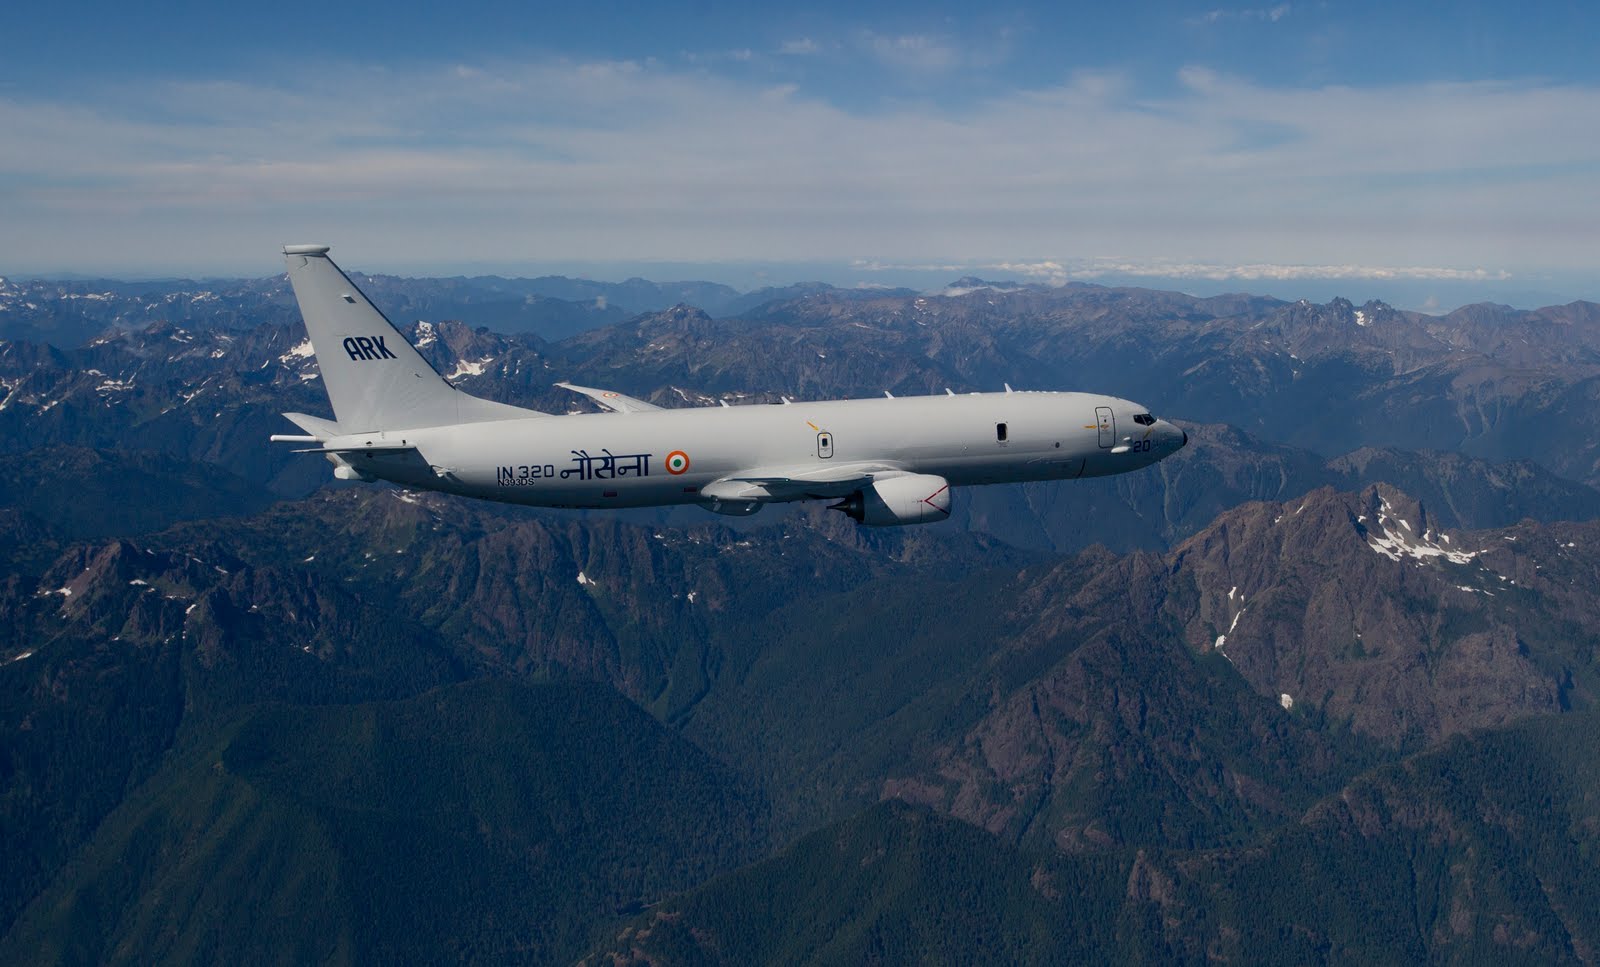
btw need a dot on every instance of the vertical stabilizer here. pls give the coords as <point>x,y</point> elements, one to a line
<point>376,380</point>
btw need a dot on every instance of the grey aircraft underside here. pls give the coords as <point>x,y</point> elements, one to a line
<point>885,461</point>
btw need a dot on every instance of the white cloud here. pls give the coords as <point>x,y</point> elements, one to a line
<point>624,159</point>
<point>1248,14</point>
<point>1283,273</point>
<point>1066,269</point>
<point>919,52</point>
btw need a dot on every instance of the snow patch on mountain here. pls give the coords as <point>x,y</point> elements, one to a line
<point>302,351</point>
<point>469,368</point>
<point>1396,544</point>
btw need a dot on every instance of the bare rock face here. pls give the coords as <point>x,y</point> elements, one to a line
<point>1333,618</point>
<point>1124,734</point>
<point>1358,606</point>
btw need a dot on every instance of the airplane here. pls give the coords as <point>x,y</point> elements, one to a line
<point>888,462</point>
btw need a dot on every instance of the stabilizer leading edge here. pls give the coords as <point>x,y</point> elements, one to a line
<point>376,380</point>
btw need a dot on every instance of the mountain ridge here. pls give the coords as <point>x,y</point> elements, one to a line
<point>1273,662</point>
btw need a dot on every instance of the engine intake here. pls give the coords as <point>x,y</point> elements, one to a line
<point>916,498</point>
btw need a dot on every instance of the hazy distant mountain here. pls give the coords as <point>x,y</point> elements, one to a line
<point>214,397</point>
<point>1331,378</point>
<point>69,314</point>
<point>1486,381</point>
<point>757,302</point>
<point>213,394</point>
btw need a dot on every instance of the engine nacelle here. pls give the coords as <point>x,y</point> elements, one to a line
<point>916,498</point>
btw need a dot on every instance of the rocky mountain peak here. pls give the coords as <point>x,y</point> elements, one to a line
<point>1580,313</point>
<point>970,283</point>
<point>118,591</point>
<point>682,316</point>
<point>1318,600</point>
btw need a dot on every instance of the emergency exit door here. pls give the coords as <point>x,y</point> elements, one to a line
<point>1108,425</point>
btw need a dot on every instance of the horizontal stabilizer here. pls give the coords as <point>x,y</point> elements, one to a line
<point>363,443</point>
<point>332,439</point>
<point>356,449</point>
<point>315,425</point>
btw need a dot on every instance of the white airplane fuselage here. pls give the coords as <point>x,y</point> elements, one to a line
<point>889,461</point>
<point>610,460</point>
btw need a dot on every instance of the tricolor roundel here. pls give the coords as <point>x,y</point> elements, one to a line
<point>677,462</point>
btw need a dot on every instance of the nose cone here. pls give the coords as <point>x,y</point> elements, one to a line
<point>1172,438</point>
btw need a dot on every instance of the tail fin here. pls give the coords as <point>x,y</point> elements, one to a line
<point>375,379</point>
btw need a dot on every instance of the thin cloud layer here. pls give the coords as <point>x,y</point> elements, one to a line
<point>628,159</point>
<point>1057,272</point>
<point>1247,14</point>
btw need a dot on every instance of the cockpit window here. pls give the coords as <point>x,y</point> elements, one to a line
<point>1145,419</point>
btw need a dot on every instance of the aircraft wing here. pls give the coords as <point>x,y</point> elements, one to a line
<point>788,483</point>
<point>611,400</point>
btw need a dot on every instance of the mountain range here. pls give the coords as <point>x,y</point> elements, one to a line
<point>70,313</point>
<point>1319,688</point>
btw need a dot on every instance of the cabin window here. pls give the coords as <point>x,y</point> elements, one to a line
<point>1000,432</point>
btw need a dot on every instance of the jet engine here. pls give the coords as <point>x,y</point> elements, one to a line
<point>916,498</point>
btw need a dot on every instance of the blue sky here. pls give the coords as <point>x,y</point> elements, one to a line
<point>1259,147</point>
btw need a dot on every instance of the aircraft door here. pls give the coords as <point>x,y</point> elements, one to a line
<point>824,445</point>
<point>1108,425</point>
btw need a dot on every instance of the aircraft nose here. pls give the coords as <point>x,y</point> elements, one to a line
<point>1185,440</point>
